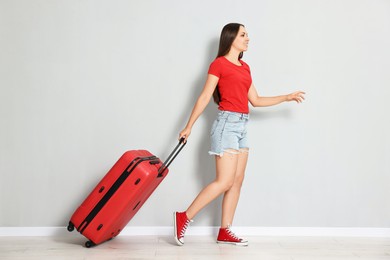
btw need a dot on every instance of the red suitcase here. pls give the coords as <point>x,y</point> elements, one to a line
<point>120,194</point>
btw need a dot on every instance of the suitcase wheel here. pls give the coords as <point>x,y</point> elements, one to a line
<point>89,244</point>
<point>70,227</point>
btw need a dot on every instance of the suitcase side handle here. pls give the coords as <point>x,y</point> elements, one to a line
<point>172,156</point>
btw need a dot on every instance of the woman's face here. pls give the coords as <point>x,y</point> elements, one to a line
<point>241,41</point>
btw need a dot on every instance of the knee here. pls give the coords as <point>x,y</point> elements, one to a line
<point>226,185</point>
<point>234,183</point>
<point>238,182</point>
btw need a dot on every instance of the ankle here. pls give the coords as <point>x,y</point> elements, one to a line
<point>225,226</point>
<point>188,215</point>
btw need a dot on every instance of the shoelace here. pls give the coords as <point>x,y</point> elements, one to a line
<point>232,234</point>
<point>185,227</point>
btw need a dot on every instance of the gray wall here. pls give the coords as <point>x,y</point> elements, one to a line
<point>83,81</point>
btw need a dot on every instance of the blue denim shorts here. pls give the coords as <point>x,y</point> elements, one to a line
<point>229,133</point>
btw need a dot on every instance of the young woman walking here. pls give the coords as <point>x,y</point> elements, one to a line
<point>229,82</point>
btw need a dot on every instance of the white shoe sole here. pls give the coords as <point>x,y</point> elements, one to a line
<point>234,243</point>
<point>178,242</point>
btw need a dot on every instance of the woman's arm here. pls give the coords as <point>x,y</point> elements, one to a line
<point>258,101</point>
<point>200,105</point>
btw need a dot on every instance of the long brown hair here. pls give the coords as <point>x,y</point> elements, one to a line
<point>228,34</point>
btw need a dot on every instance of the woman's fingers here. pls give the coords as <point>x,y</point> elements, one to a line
<point>298,96</point>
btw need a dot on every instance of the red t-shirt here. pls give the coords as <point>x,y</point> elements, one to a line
<point>233,84</point>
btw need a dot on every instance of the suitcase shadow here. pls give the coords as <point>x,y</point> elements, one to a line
<point>63,236</point>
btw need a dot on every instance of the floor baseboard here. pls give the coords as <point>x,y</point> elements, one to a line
<point>206,231</point>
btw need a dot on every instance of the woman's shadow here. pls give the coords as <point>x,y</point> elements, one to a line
<point>205,166</point>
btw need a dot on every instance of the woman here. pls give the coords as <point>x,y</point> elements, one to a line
<point>229,82</point>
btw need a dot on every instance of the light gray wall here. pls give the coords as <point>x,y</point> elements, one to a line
<point>83,81</point>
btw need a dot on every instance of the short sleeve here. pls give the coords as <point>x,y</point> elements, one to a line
<point>246,66</point>
<point>215,68</point>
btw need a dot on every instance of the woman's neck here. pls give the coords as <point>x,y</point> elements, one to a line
<point>232,56</point>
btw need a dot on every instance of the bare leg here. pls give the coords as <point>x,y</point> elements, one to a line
<point>231,196</point>
<point>226,169</point>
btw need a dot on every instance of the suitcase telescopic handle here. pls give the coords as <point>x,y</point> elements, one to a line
<point>172,156</point>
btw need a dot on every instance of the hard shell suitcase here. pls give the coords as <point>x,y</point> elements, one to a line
<point>120,194</point>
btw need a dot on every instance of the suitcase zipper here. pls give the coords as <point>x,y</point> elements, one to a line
<point>112,190</point>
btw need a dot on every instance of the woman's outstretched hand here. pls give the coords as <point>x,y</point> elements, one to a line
<point>297,96</point>
<point>185,133</point>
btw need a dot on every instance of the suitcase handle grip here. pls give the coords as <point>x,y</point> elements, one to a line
<point>172,156</point>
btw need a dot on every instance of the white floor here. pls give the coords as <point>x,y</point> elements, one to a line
<point>196,247</point>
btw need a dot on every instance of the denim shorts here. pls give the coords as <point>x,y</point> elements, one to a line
<point>229,133</point>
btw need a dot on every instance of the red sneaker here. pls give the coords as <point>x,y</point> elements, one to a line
<point>226,236</point>
<point>180,223</point>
